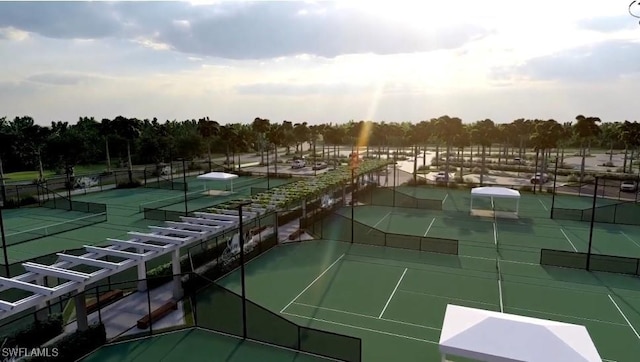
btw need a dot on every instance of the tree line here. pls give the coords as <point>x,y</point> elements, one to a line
<point>25,145</point>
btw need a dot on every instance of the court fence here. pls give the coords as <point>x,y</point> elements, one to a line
<point>205,304</point>
<point>621,213</point>
<point>328,224</point>
<point>383,196</point>
<point>597,262</point>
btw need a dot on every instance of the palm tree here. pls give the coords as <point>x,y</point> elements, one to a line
<point>300,135</point>
<point>585,129</point>
<point>610,135</point>
<point>483,135</point>
<point>207,130</point>
<point>275,135</point>
<point>260,126</point>
<point>128,129</point>
<point>106,130</point>
<point>462,140</point>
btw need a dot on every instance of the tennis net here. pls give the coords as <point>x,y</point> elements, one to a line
<point>245,183</point>
<point>157,204</point>
<point>53,229</point>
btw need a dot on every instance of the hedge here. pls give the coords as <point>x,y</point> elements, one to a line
<point>77,344</point>
<point>35,334</point>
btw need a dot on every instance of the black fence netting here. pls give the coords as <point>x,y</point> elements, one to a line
<point>220,309</point>
<point>327,224</point>
<point>596,262</point>
<point>382,196</point>
<point>620,213</point>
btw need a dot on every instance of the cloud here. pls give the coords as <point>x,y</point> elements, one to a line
<point>609,24</point>
<point>299,90</point>
<point>240,30</point>
<point>10,33</point>
<point>61,78</point>
<point>606,60</point>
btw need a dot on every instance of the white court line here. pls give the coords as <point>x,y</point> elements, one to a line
<point>627,236</point>
<point>542,203</point>
<point>623,316</point>
<point>361,328</point>
<point>569,240</point>
<point>445,198</point>
<point>500,291</point>
<point>445,297</point>
<point>430,225</point>
<point>384,217</point>
<point>392,293</point>
<point>367,316</point>
<point>493,259</point>
<point>313,282</point>
<point>495,233</point>
<point>569,316</point>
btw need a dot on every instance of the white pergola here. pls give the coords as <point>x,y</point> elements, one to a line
<point>489,336</point>
<point>218,176</point>
<point>136,251</point>
<point>498,193</point>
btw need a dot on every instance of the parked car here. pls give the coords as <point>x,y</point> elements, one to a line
<point>442,176</point>
<point>539,178</point>
<point>319,166</point>
<point>298,164</point>
<point>628,186</point>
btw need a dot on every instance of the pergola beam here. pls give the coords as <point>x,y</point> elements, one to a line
<point>176,231</point>
<point>158,238</point>
<point>56,272</point>
<point>34,288</point>
<point>139,245</point>
<point>220,216</point>
<point>89,261</point>
<point>118,253</point>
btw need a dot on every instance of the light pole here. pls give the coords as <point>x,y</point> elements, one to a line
<point>553,195</point>
<point>244,294</point>
<point>268,146</point>
<point>354,164</point>
<point>4,241</point>
<point>593,217</point>
<point>184,180</point>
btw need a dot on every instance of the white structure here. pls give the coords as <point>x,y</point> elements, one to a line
<point>492,336</point>
<point>136,251</point>
<point>495,192</point>
<point>218,176</point>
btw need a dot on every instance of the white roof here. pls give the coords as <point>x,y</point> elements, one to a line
<point>211,176</point>
<point>492,336</point>
<point>495,191</point>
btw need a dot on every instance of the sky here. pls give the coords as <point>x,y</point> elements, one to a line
<point>320,61</point>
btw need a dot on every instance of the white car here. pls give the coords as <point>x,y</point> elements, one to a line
<point>319,166</point>
<point>298,164</point>
<point>628,186</point>
<point>442,176</point>
<point>540,178</point>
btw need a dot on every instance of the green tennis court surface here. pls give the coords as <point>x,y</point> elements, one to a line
<point>195,345</point>
<point>394,300</point>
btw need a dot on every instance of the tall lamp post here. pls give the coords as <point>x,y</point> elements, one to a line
<point>593,217</point>
<point>553,195</point>
<point>184,180</point>
<point>354,165</point>
<point>4,242</point>
<point>244,294</point>
<point>268,146</point>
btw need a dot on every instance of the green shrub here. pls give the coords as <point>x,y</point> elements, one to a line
<point>36,334</point>
<point>77,344</point>
<point>573,178</point>
<point>418,181</point>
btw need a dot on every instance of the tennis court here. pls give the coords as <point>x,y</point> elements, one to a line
<point>241,185</point>
<point>195,345</point>
<point>394,300</point>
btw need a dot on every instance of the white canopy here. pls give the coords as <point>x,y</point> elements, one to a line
<point>493,191</point>
<point>497,192</point>
<point>218,176</point>
<point>492,336</point>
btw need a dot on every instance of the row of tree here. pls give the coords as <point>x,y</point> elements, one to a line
<point>25,145</point>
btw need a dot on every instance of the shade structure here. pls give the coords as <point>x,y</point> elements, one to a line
<point>492,336</point>
<point>495,192</point>
<point>219,176</point>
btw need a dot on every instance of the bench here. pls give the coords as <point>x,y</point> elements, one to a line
<point>296,234</point>
<point>157,314</point>
<point>104,299</point>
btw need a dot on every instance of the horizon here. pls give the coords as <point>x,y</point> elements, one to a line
<point>319,62</point>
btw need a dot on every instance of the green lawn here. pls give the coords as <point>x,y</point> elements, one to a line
<point>32,175</point>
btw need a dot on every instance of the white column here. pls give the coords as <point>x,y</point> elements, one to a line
<point>81,311</point>
<point>177,281</point>
<point>142,273</point>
